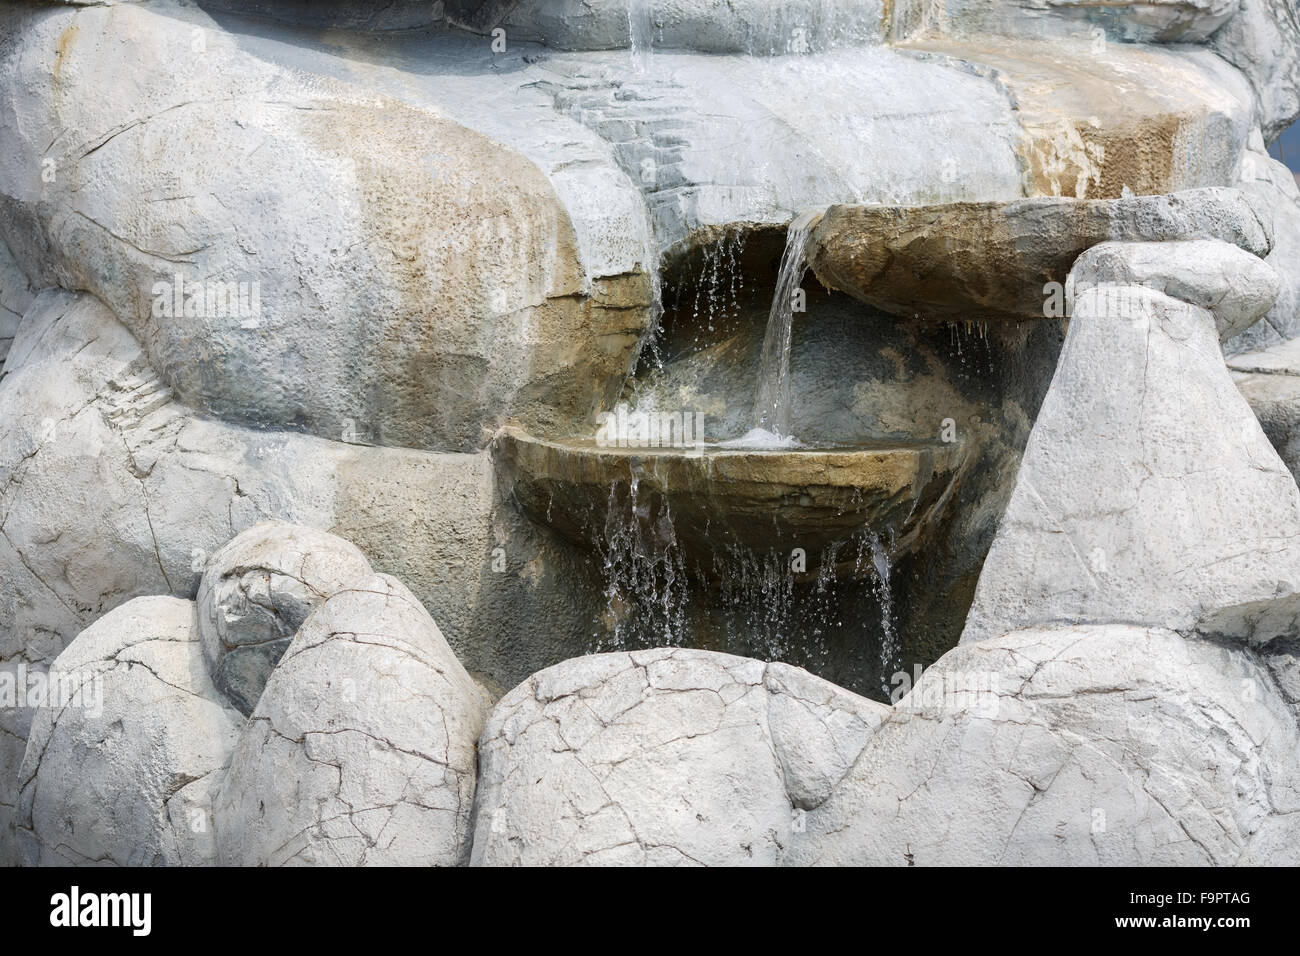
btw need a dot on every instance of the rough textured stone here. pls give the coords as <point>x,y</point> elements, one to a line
<point>256,592</point>
<point>663,757</point>
<point>1102,745</point>
<point>1269,380</point>
<point>1237,288</point>
<point>110,489</point>
<point>1159,21</point>
<point>1263,41</point>
<point>1147,493</point>
<point>15,297</point>
<point>996,260</point>
<point>1088,131</point>
<point>1271,188</point>
<point>754,27</point>
<point>443,230</point>
<point>405,280</point>
<point>361,749</point>
<point>123,772</point>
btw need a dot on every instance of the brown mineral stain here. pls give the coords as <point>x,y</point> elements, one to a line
<point>66,39</point>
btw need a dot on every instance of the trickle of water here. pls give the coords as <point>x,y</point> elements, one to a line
<point>645,575</point>
<point>772,407</point>
<point>889,650</point>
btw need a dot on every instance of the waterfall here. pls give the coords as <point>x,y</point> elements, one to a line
<point>772,405</point>
<point>640,28</point>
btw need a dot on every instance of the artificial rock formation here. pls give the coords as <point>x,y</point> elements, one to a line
<point>361,749</point>
<point>280,318</point>
<point>256,592</point>
<point>1148,493</point>
<point>123,762</point>
<point>995,261</point>
<point>663,757</point>
<point>1092,744</point>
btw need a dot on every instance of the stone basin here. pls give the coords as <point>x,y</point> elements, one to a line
<point>716,499</point>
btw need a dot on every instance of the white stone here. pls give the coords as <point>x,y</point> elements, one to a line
<point>1236,287</point>
<point>662,757</point>
<point>256,592</point>
<point>121,771</point>
<point>361,749</point>
<point>1147,493</point>
<point>1094,745</point>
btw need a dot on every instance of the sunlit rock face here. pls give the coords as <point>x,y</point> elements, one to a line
<point>329,319</point>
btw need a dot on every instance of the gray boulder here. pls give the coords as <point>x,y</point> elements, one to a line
<point>661,757</point>
<point>1263,41</point>
<point>122,762</point>
<point>1002,260</point>
<point>1147,493</point>
<point>1092,745</point>
<point>256,592</point>
<point>1271,188</point>
<point>1236,287</point>
<point>361,749</point>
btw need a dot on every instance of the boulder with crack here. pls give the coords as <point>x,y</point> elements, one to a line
<point>662,757</point>
<point>361,749</point>
<point>126,752</point>
<point>1098,744</point>
<point>1147,493</point>
<point>1263,41</point>
<point>256,592</point>
<point>391,274</point>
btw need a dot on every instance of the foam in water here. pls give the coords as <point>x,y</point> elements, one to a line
<point>760,439</point>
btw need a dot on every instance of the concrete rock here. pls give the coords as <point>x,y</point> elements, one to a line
<point>256,592</point>
<point>1236,287</point>
<point>1271,188</point>
<point>15,297</point>
<point>1263,41</point>
<point>1147,493</point>
<point>1145,21</point>
<point>111,489</point>
<point>368,289</point>
<point>1101,745</point>
<point>754,27</point>
<point>361,749</point>
<point>998,260</point>
<point>672,757</point>
<point>1269,379</point>
<point>120,767</point>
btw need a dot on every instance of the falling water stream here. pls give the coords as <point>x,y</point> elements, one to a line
<point>761,607</point>
<point>772,404</point>
<point>640,28</point>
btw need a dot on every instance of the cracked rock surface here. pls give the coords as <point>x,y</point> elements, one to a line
<point>121,769</point>
<point>1102,744</point>
<point>256,592</point>
<point>361,748</point>
<point>662,757</point>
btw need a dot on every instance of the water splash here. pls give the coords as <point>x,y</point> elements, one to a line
<point>760,439</point>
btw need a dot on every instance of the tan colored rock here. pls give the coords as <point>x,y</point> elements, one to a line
<point>1000,261</point>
